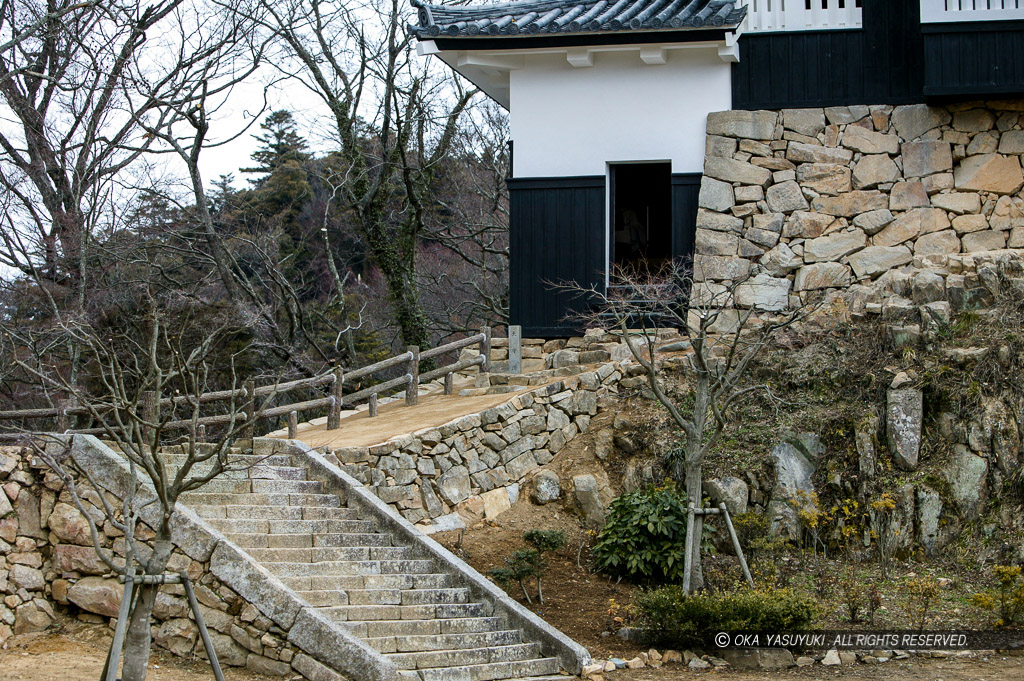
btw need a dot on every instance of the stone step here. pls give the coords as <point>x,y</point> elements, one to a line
<point>287,487</point>
<point>254,512</point>
<point>304,501</point>
<point>465,656</point>
<point>407,644</point>
<point>543,666</point>
<point>361,613</point>
<point>431,627</point>
<point>316,556</point>
<point>309,527</point>
<point>257,472</point>
<point>326,598</point>
<point>238,460</point>
<point>405,596</point>
<point>378,581</point>
<point>351,539</point>
<point>352,567</point>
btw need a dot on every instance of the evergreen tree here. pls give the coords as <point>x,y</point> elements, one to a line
<point>280,144</point>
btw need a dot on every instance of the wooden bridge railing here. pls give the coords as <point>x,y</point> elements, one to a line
<point>336,378</point>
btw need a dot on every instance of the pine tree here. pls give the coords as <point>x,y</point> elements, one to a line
<point>280,143</point>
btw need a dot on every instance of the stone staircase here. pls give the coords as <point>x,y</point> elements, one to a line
<point>394,596</point>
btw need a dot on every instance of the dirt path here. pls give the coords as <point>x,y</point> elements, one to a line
<point>78,654</point>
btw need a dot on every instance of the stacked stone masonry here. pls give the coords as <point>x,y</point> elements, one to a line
<point>801,201</point>
<point>473,466</point>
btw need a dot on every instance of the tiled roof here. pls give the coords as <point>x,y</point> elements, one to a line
<point>532,17</point>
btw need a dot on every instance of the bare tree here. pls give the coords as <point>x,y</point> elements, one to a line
<point>393,116</point>
<point>134,370</point>
<point>724,338</point>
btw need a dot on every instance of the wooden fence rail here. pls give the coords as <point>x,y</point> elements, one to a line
<point>246,396</point>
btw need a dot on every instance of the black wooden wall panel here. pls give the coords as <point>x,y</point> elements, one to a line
<point>882,63</point>
<point>685,188</point>
<point>977,58</point>
<point>557,235</point>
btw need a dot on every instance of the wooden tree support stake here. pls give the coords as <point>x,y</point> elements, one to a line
<point>110,668</point>
<point>691,514</point>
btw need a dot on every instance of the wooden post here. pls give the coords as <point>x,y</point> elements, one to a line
<point>736,545</point>
<point>249,429</point>
<point>334,412</point>
<point>688,562</point>
<point>293,424</point>
<point>114,656</point>
<point>412,391</point>
<point>515,349</point>
<point>150,411</point>
<point>201,433</point>
<point>211,654</point>
<point>63,418</point>
<point>373,405</point>
<point>485,349</point>
<point>449,383</point>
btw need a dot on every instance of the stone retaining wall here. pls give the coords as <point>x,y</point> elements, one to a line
<point>472,467</point>
<point>806,200</point>
<point>47,560</point>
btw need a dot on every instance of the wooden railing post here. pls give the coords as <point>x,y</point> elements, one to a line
<point>150,411</point>
<point>372,408</point>
<point>449,383</point>
<point>412,391</point>
<point>334,411</point>
<point>249,429</point>
<point>515,349</point>
<point>63,418</point>
<point>485,349</point>
<point>293,424</point>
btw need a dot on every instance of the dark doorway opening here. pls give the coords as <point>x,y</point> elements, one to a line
<point>641,197</point>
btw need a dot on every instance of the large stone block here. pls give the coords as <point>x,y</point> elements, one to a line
<point>822,275</point>
<point>988,240</point>
<point>718,268</point>
<point>989,173</point>
<point>926,158</point>
<point>1012,142</point>
<point>719,222</point>
<point>825,178</point>
<point>875,260</point>
<point>710,242</point>
<point>808,122</point>
<point>834,246</point>
<point>780,260</point>
<point>911,225</point>
<point>806,225</point>
<point>908,195</point>
<point>874,170</point>
<point>97,595</point>
<point>588,498</point>
<point>913,121</point>
<point>870,142</point>
<point>904,419</point>
<point>731,170</point>
<point>872,222</point>
<point>453,485</point>
<point>937,243</point>
<point>758,125</point>
<point>973,120</point>
<point>799,152</point>
<point>785,197</point>
<point>764,292</point>
<point>958,202</point>
<point>1008,213</point>
<point>851,204</point>
<point>716,195</point>
<point>967,475</point>
<point>965,224</point>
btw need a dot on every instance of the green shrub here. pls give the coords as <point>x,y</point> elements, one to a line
<point>672,618</point>
<point>644,536</point>
<point>1008,601</point>
<point>526,563</point>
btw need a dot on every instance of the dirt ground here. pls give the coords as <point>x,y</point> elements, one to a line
<point>77,652</point>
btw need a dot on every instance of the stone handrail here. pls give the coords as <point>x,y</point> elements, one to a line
<point>570,654</point>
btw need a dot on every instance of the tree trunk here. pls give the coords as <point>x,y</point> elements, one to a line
<point>403,294</point>
<point>137,642</point>
<point>694,484</point>
<point>138,639</point>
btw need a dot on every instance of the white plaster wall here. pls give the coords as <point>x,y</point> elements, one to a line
<point>573,121</point>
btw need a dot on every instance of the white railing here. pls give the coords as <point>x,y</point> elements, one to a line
<point>938,11</point>
<point>801,15</point>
